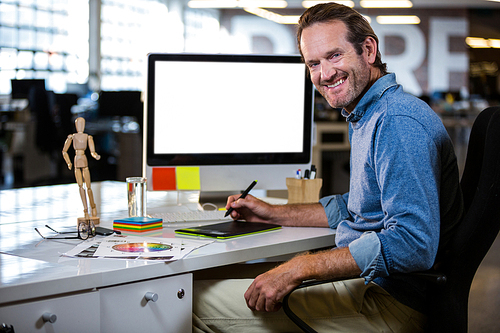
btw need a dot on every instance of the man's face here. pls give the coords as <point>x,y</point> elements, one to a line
<point>337,71</point>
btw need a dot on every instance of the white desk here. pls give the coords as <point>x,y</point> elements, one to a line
<point>106,295</point>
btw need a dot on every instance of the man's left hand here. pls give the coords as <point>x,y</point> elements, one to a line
<point>267,290</point>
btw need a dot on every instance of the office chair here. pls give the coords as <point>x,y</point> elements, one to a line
<point>448,293</point>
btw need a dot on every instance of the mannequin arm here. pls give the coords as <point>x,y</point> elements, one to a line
<point>67,143</point>
<point>92,148</point>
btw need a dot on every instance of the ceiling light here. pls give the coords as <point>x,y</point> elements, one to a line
<point>237,3</point>
<point>386,4</point>
<point>268,15</point>
<point>212,4</point>
<point>263,3</point>
<point>494,43</point>
<point>477,42</point>
<point>398,19</point>
<point>310,3</point>
<point>482,43</point>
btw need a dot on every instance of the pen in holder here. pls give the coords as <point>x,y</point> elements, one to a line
<point>303,190</point>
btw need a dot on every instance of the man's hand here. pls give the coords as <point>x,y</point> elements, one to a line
<point>249,209</point>
<point>252,209</point>
<point>267,290</point>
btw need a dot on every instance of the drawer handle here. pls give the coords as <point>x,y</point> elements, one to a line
<point>149,296</point>
<point>49,317</point>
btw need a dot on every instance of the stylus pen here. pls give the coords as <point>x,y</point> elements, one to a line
<point>243,195</point>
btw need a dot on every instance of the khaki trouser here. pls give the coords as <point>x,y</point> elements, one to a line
<point>345,306</point>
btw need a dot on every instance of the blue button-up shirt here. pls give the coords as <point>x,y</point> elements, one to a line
<point>404,196</point>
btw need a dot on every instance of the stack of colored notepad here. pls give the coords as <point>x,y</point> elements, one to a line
<point>139,224</point>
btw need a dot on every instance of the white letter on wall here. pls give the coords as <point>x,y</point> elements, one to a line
<point>245,27</point>
<point>412,57</point>
<point>441,60</point>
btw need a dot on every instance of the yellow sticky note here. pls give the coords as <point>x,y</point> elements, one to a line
<point>188,178</point>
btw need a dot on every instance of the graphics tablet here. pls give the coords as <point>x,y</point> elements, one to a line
<point>228,229</point>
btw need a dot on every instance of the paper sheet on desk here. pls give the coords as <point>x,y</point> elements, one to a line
<point>136,247</point>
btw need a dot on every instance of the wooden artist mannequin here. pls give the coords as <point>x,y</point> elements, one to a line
<point>80,141</point>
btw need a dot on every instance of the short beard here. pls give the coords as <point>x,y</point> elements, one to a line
<point>358,81</point>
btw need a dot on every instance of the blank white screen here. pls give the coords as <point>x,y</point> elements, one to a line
<point>228,107</point>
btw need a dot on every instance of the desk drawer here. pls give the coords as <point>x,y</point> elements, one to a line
<point>76,313</point>
<point>125,308</point>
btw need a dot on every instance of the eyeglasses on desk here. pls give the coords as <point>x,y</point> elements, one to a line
<point>84,231</point>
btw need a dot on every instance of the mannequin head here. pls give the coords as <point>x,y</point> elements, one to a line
<point>80,124</point>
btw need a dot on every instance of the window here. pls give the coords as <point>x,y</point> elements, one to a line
<point>49,39</point>
<point>44,39</point>
<point>130,29</point>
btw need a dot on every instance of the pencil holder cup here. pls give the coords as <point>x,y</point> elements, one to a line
<point>303,190</point>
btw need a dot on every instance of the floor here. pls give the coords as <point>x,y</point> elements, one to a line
<point>484,299</point>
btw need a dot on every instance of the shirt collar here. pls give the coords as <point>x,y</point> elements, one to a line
<point>372,95</point>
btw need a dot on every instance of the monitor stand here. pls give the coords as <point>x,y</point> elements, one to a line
<point>172,201</point>
<point>179,201</point>
<point>220,198</point>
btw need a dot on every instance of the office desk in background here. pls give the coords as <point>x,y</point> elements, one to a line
<point>107,295</point>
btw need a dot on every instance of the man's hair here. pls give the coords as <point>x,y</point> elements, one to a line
<point>358,28</point>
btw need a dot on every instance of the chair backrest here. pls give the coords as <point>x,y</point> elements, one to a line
<point>478,229</point>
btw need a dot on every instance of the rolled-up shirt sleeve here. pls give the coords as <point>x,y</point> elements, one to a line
<point>335,208</point>
<point>367,252</point>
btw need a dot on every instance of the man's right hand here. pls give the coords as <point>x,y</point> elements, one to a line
<point>250,209</point>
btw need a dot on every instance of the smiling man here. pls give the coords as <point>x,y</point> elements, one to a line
<point>339,73</point>
<point>403,202</point>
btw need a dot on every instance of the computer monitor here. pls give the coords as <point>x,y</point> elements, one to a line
<point>233,118</point>
<point>22,88</point>
<point>120,103</point>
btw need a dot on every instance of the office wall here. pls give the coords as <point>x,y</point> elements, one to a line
<point>428,57</point>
